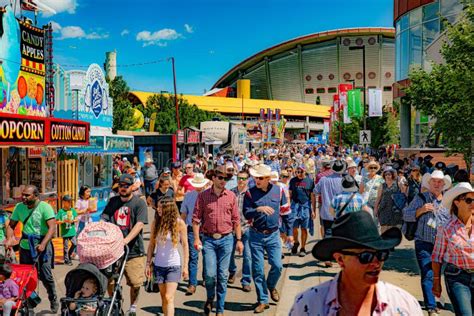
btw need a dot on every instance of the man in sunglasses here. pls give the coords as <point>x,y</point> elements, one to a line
<point>130,214</point>
<point>263,205</point>
<point>216,215</point>
<point>360,251</point>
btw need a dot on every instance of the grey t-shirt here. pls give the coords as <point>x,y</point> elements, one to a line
<point>125,215</point>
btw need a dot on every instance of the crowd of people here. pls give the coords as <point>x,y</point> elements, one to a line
<point>263,204</point>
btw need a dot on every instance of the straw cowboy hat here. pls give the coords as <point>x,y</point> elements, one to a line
<point>355,230</point>
<point>274,176</point>
<point>437,174</point>
<point>450,195</point>
<point>261,170</point>
<point>198,181</point>
<point>373,163</point>
<point>350,163</point>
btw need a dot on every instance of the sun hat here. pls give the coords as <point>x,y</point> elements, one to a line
<point>260,170</point>
<point>166,170</point>
<point>355,230</point>
<point>437,174</point>
<point>148,160</point>
<point>326,161</point>
<point>349,184</point>
<point>373,163</point>
<point>339,166</point>
<point>389,169</point>
<point>198,181</point>
<point>274,176</point>
<point>350,163</point>
<point>451,194</point>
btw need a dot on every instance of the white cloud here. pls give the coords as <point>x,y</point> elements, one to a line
<point>60,6</point>
<point>68,32</point>
<point>188,28</point>
<point>158,38</point>
<point>124,32</point>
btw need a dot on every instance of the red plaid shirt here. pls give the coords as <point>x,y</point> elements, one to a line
<point>216,214</point>
<point>454,245</point>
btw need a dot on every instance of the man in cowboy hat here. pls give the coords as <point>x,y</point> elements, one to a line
<point>216,216</point>
<point>262,205</point>
<point>360,251</point>
<point>428,212</point>
<point>199,182</point>
<point>349,196</point>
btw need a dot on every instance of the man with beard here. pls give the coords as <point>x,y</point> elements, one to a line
<point>360,252</point>
<point>130,214</point>
<point>39,226</point>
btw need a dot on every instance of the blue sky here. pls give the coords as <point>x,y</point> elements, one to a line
<point>206,37</point>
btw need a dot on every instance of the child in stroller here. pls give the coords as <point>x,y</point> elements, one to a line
<point>88,291</point>
<point>9,290</point>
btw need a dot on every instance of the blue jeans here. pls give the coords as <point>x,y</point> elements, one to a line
<point>246,263</point>
<point>149,186</point>
<point>460,287</point>
<point>193,259</point>
<point>216,254</point>
<point>423,251</point>
<point>270,243</point>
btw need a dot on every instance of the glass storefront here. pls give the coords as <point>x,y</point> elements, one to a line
<point>416,30</point>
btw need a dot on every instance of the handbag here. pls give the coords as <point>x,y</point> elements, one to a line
<point>151,284</point>
<point>399,199</point>
<point>409,228</point>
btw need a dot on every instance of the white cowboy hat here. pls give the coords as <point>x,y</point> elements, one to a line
<point>198,181</point>
<point>274,176</point>
<point>437,174</point>
<point>450,195</point>
<point>350,163</point>
<point>148,160</point>
<point>261,170</point>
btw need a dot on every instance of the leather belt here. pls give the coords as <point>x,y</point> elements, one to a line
<point>265,231</point>
<point>216,235</point>
<point>453,266</point>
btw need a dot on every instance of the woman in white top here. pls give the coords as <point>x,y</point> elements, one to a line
<point>167,230</point>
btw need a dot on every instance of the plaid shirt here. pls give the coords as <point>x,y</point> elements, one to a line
<point>453,245</point>
<point>216,214</point>
<point>428,222</point>
<point>355,204</point>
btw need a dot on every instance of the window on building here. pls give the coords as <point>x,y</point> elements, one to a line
<point>309,91</point>
<point>320,90</point>
<point>387,88</point>
<point>415,46</point>
<point>332,90</point>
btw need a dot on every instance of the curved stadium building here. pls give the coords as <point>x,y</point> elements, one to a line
<point>308,69</point>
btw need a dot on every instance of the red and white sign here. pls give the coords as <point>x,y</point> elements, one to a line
<point>180,136</point>
<point>193,137</point>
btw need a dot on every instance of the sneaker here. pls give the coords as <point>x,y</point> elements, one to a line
<point>294,250</point>
<point>302,253</point>
<point>54,305</point>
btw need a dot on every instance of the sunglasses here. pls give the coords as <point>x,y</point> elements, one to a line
<point>260,178</point>
<point>126,186</point>
<point>367,257</point>
<point>299,171</point>
<point>223,178</point>
<point>467,200</point>
<point>284,177</point>
<point>242,178</point>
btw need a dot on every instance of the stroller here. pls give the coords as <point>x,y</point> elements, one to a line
<point>26,276</point>
<point>102,258</point>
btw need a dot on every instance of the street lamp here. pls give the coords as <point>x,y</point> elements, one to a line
<point>175,94</point>
<point>362,47</point>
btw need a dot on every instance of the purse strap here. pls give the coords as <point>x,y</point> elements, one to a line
<point>28,217</point>
<point>344,207</point>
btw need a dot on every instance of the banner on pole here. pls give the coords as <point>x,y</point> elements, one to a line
<point>343,88</point>
<point>326,127</point>
<point>375,102</point>
<point>335,103</point>
<point>354,105</point>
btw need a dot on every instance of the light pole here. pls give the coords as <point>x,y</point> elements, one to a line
<point>362,47</point>
<point>175,94</point>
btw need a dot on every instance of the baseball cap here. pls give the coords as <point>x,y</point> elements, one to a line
<point>67,197</point>
<point>126,178</point>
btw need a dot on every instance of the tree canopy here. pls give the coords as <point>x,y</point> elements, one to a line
<point>123,109</point>
<point>447,91</point>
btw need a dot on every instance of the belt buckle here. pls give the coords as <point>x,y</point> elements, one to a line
<point>469,270</point>
<point>216,236</point>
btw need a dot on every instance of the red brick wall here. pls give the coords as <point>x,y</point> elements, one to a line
<point>437,156</point>
<point>400,7</point>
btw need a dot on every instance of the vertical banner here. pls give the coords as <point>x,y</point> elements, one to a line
<point>269,114</point>
<point>354,104</point>
<point>262,114</point>
<point>343,88</point>
<point>277,114</point>
<point>375,102</point>
<point>326,127</point>
<point>335,103</point>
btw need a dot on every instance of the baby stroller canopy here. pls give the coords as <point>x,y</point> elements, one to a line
<point>76,277</point>
<point>101,244</point>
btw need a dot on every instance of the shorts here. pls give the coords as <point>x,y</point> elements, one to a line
<point>167,274</point>
<point>302,215</point>
<point>135,271</point>
<point>286,226</point>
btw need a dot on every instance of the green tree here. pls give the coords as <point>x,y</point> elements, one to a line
<point>123,110</point>
<point>447,92</point>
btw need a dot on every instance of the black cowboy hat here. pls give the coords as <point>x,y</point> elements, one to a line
<point>355,230</point>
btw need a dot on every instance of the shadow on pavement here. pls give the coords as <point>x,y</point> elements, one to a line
<point>44,312</point>
<point>319,273</point>
<point>402,260</point>
<point>307,264</point>
<point>178,311</point>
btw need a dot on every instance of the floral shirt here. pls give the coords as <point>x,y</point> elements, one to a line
<point>322,300</point>
<point>371,188</point>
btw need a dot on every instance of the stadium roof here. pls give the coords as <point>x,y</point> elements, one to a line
<point>249,106</point>
<point>303,40</point>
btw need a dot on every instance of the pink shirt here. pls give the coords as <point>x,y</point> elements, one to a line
<point>82,205</point>
<point>323,300</point>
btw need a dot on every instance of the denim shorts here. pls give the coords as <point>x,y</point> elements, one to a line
<point>167,274</point>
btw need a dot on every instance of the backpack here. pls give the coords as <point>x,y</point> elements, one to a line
<point>409,228</point>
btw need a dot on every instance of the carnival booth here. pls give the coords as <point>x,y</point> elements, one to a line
<point>86,97</point>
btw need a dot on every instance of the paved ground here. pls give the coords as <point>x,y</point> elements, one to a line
<point>298,274</point>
